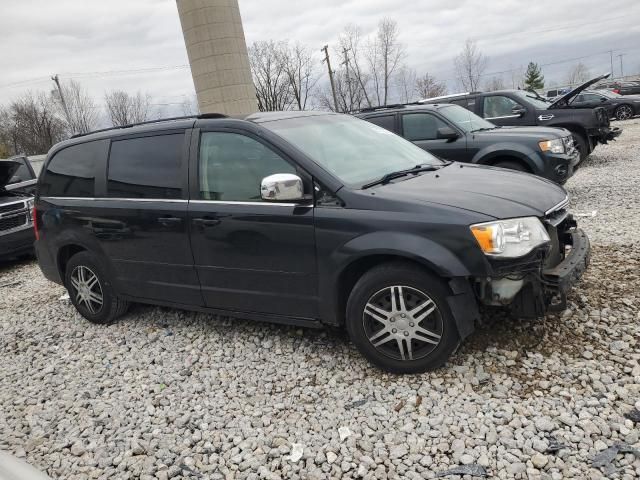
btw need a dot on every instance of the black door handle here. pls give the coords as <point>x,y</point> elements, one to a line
<point>206,222</point>
<point>166,221</point>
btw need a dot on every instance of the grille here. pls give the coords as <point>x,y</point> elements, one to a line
<point>11,208</point>
<point>13,222</point>
<point>569,145</point>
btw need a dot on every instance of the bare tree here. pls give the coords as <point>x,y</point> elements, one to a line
<point>427,86</point>
<point>517,77</point>
<point>493,84</point>
<point>83,111</point>
<point>190,106</point>
<point>270,76</point>
<point>470,65</point>
<point>405,81</point>
<point>384,56</point>
<point>30,125</point>
<point>124,109</point>
<point>299,67</point>
<point>579,73</point>
<point>358,79</point>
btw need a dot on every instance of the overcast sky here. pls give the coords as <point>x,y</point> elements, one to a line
<point>93,42</point>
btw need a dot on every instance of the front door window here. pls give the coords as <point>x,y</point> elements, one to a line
<point>496,106</point>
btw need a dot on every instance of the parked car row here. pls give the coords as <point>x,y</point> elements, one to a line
<point>312,219</point>
<point>620,87</point>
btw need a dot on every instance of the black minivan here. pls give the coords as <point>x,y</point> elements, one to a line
<point>305,218</point>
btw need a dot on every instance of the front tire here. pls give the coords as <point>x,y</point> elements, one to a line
<point>511,165</point>
<point>91,291</point>
<point>398,318</point>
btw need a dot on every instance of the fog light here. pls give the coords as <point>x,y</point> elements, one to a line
<point>561,171</point>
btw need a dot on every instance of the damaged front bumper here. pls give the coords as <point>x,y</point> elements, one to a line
<point>605,134</point>
<point>539,283</point>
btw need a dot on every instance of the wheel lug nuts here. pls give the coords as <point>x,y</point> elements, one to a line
<point>403,315</point>
<point>393,319</point>
<point>406,334</point>
<point>394,331</point>
<point>411,324</point>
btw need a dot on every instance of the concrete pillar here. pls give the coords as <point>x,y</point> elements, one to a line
<point>218,56</point>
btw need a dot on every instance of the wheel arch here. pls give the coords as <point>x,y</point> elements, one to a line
<point>515,153</point>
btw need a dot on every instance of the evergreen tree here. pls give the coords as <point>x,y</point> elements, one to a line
<point>533,79</point>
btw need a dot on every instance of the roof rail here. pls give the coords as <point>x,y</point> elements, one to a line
<point>461,94</point>
<point>384,107</point>
<point>148,122</point>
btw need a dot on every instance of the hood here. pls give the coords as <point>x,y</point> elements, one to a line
<point>541,133</point>
<point>7,170</point>
<point>487,190</point>
<point>564,99</point>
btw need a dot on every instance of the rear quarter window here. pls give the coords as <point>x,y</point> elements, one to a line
<point>71,172</point>
<point>146,167</point>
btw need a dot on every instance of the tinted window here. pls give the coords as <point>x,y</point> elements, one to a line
<point>71,172</point>
<point>146,167</point>
<point>23,171</point>
<point>37,165</point>
<point>460,101</point>
<point>498,106</point>
<point>421,126</point>
<point>384,121</point>
<point>232,167</point>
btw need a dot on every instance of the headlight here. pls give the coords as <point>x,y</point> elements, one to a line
<point>510,238</point>
<point>553,146</point>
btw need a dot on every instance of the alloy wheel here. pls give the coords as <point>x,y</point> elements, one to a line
<point>87,289</point>
<point>624,112</point>
<point>402,322</point>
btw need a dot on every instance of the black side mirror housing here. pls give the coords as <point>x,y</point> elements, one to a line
<point>519,111</point>
<point>447,133</point>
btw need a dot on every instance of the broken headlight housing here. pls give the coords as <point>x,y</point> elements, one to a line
<point>510,238</point>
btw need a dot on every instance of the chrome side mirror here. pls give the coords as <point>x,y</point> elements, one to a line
<point>282,187</point>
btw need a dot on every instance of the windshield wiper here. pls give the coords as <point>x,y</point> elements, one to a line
<point>483,129</point>
<point>401,173</point>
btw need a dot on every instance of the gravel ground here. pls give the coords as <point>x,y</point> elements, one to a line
<point>172,394</point>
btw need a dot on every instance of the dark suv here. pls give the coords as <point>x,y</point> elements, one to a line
<point>452,132</point>
<point>520,107</point>
<point>16,226</point>
<point>305,218</point>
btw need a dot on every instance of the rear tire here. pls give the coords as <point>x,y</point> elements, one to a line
<point>90,289</point>
<point>511,165</point>
<point>624,112</point>
<point>411,333</point>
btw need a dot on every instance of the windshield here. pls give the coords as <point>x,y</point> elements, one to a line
<point>532,99</point>
<point>465,119</point>
<point>354,150</point>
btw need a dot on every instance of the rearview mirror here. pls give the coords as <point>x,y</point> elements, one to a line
<point>519,111</point>
<point>15,179</point>
<point>447,133</point>
<point>282,187</point>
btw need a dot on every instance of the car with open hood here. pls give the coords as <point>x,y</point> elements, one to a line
<point>620,107</point>
<point>305,218</point>
<point>454,133</point>
<point>16,226</point>
<point>589,127</point>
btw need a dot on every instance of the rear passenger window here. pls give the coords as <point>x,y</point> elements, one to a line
<point>71,172</point>
<point>384,121</point>
<point>146,167</point>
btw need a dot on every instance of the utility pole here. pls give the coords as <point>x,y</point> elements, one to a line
<point>611,58</point>
<point>621,71</point>
<point>325,49</point>
<point>64,104</point>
